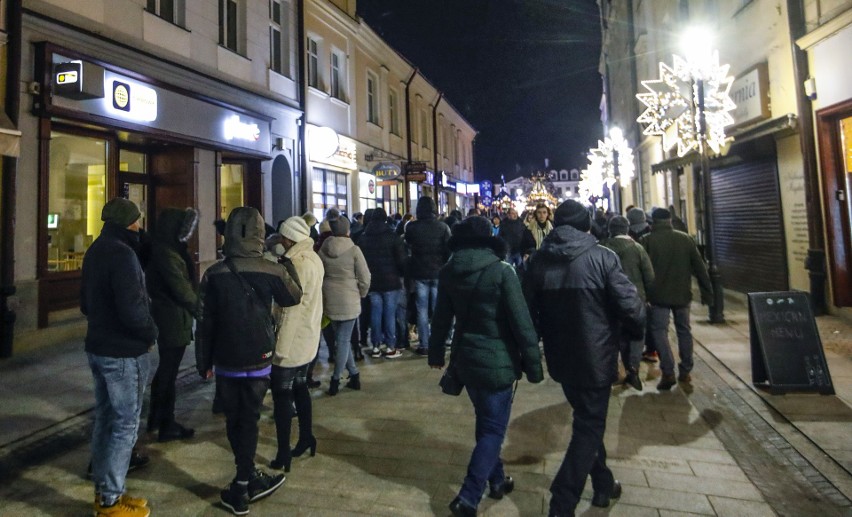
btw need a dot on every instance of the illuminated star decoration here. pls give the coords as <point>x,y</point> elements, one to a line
<point>613,150</point>
<point>670,100</point>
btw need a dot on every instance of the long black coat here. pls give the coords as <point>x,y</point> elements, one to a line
<point>579,298</point>
<point>427,239</point>
<point>385,254</point>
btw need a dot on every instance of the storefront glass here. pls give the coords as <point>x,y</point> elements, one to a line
<point>231,188</point>
<point>76,196</point>
<point>330,189</point>
<point>846,145</point>
<point>367,191</point>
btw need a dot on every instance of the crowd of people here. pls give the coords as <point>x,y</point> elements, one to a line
<point>491,290</point>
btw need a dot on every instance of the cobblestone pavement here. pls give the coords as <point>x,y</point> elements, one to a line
<point>399,448</point>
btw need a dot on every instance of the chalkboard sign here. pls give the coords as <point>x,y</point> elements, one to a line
<point>786,351</point>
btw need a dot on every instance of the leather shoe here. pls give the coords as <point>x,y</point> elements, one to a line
<point>684,377</point>
<point>459,509</point>
<point>602,499</point>
<point>175,431</point>
<point>633,380</point>
<point>666,382</point>
<point>505,488</point>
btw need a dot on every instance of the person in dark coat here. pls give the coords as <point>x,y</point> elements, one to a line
<point>427,240</point>
<point>494,343</point>
<point>639,227</point>
<point>359,222</point>
<point>384,252</point>
<point>580,299</point>
<point>174,305</point>
<point>512,232</point>
<point>676,260</point>
<point>119,335</point>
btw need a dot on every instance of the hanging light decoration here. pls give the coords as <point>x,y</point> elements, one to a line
<point>670,99</point>
<point>610,162</point>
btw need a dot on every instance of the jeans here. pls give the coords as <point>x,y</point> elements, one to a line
<point>586,453</point>
<point>515,259</point>
<point>659,328</point>
<point>343,356</point>
<point>383,318</point>
<point>427,296</point>
<point>161,414</point>
<point>241,399</point>
<point>119,390</point>
<point>492,418</point>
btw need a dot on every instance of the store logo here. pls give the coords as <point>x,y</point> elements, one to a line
<point>239,130</point>
<point>69,77</point>
<point>133,101</point>
<point>121,96</point>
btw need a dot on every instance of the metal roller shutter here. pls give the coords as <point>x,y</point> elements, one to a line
<point>749,228</point>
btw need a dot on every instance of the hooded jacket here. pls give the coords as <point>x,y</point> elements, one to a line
<point>512,231</point>
<point>232,329</point>
<point>346,280</point>
<point>675,259</point>
<point>299,332</point>
<point>427,240</point>
<point>114,298</point>
<point>384,252</point>
<point>579,299</point>
<point>634,262</point>
<point>495,340</point>
<point>174,295</point>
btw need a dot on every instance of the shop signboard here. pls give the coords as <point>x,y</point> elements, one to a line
<point>387,171</point>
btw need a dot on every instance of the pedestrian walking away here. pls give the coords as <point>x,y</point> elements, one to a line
<point>579,297</point>
<point>494,343</point>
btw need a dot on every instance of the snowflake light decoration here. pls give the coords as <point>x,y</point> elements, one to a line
<point>672,100</point>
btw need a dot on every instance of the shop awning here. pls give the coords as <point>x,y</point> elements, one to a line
<point>10,137</point>
<point>676,162</point>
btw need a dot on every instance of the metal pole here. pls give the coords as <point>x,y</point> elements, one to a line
<point>615,207</point>
<point>717,309</point>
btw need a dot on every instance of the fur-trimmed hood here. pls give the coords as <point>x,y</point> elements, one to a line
<point>495,244</point>
<point>176,226</point>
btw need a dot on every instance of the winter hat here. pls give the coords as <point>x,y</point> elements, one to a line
<point>378,215</point>
<point>661,214</point>
<point>339,227</point>
<point>637,219</point>
<point>324,227</point>
<point>332,214</point>
<point>121,212</point>
<point>618,225</point>
<point>573,214</point>
<point>474,227</point>
<point>309,218</point>
<point>295,229</point>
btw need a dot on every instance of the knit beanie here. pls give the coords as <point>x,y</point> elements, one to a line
<point>332,214</point>
<point>295,229</point>
<point>573,214</point>
<point>618,225</point>
<point>309,218</point>
<point>661,214</point>
<point>637,219</point>
<point>474,227</point>
<point>121,212</point>
<point>339,227</point>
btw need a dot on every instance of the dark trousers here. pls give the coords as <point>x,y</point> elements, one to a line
<point>241,400</point>
<point>586,453</point>
<point>162,410</point>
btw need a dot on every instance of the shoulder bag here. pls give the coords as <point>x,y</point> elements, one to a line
<point>269,321</point>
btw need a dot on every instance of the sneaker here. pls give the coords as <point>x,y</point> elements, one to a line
<point>632,379</point>
<point>650,357</point>
<point>393,354</point>
<point>666,382</point>
<point>235,498</point>
<point>377,352</point>
<point>262,484</point>
<point>684,377</point>
<point>421,351</point>
<point>121,509</point>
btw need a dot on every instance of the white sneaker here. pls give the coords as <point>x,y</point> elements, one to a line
<point>393,354</point>
<point>377,352</point>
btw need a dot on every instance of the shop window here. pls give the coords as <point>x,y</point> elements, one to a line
<point>372,98</point>
<point>130,161</point>
<point>330,189</point>
<point>313,63</point>
<point>338,75</point>
<point>76,195</point>
<point>231,188</point>
<point>173,11</point>
<point>278,42</point>
<point>393,112</point>
<point>229,24</point>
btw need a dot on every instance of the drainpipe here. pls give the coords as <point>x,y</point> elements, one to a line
<point>815,262</point>
<point>10,173</point>
<point>436,179</point>
<point>303,105</point>
<point>406,201</point>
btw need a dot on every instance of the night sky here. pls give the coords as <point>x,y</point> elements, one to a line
<point>523,72</point>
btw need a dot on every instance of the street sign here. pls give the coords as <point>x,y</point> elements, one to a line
<point>415,167</point>
<point>417,176</point>
<point>487,201</point>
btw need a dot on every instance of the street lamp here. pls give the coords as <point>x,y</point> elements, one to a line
<point>690,107</point>
<point>610,163</point>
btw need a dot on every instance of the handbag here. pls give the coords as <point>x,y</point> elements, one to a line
<point>270,326</point>
<point>451,383</point>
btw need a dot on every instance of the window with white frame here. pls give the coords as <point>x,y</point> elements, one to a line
<point>393,112</point>
<point>278,40</point>
<point>229,24</point>
<point>173,11</point>
<point>338,75</point>
<point>313,62</point>
<point>372,98</point>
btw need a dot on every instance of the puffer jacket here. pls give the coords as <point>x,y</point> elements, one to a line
<point>114,298</point>
<point>495,340</point>
<point>427,240</point>
<point>346,280</point>
<point>512,231</point>
<point>384,252</point>
<point>675,259</point>
<point>299,333</point>
<point>634,262</point>
<point>232,329</point>
<point>174,295</point>
<point>579,299</point>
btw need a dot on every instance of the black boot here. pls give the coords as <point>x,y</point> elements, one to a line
<point>356,351</point>
<point>283,414</point>
<point>354,382</point>
<point>304,406</point>
<point>333,386</point>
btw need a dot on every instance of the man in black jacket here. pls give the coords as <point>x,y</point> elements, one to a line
<point>235,341</point>
<point>119,336</point>
<point>427,239</point>
<point>512,231</point>
<point>578,298</point>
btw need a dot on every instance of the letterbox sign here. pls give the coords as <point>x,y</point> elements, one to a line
<point>387,171</point>
<point>78,80</point>
<point>132,103</point>
<point>750,92</point>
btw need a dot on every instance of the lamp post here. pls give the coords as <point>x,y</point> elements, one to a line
<point>689,106</point>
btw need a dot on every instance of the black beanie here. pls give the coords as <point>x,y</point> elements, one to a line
<point>618,225</point>
<point>573,214</point>
<point>473,227</point>
<point>661,214</point>
<point>120,211</point>
<point>378,214</point>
